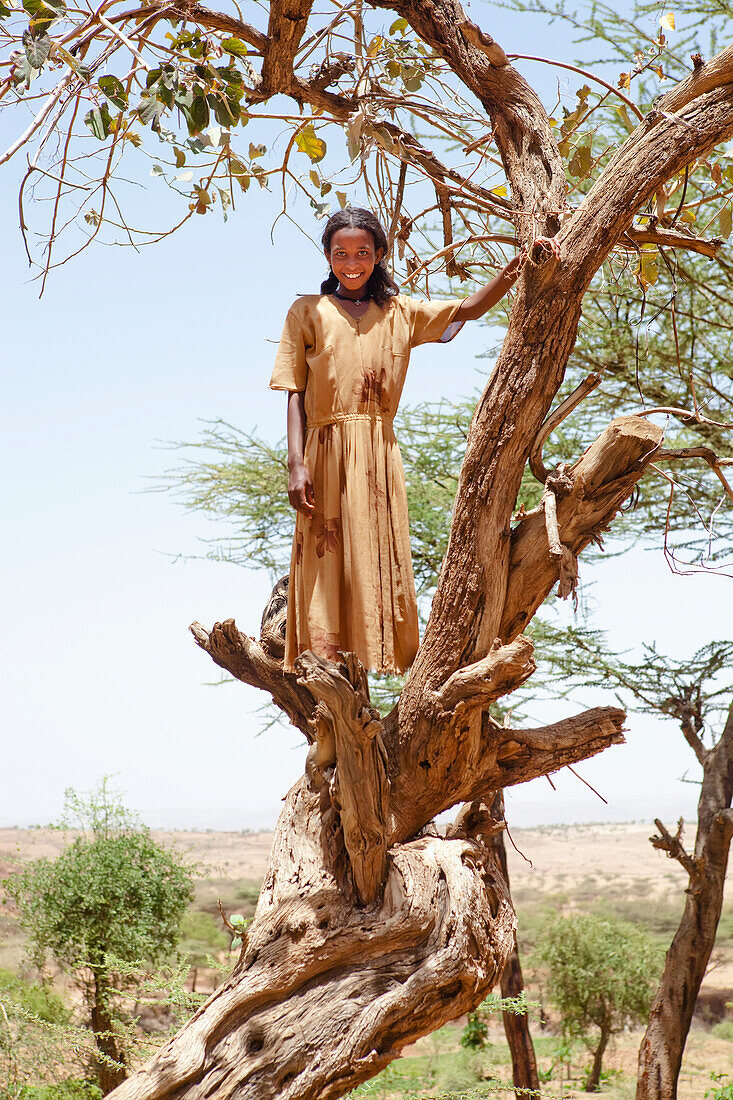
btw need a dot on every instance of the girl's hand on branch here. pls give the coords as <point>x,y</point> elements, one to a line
<point>540,245</point>
<point>300,490</point>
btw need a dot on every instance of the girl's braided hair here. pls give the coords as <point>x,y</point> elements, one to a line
<point>381,286</point>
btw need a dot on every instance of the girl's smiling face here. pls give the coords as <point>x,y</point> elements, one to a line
<point>353,257</point>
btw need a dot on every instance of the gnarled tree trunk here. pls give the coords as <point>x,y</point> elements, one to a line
<point>369,933</point>
<point>660,1054</point>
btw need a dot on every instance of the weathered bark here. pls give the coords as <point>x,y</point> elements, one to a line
<point>516,1027</point>
<point>660,1054</point>
<point>325,993</point>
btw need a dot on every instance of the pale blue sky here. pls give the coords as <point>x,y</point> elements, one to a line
<point>101,675</point>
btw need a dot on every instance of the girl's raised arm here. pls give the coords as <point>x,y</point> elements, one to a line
<point>479,303</point>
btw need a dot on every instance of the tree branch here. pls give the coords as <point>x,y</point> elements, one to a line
<point>360,787</point>
<point>501,672</point>
<point>247,661</point>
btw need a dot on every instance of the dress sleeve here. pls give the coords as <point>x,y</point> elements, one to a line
<point>429,320</point>
<point>291,367</point>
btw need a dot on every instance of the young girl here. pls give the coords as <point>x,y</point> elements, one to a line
<point>343,358</point>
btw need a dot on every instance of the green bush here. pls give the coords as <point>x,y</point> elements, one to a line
<point>36,998</point>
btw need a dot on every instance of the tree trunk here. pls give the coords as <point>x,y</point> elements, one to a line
<point>111,1066</point>
<point>594,1080</point>
<point>660,1054</point>
<point>516,1027</point>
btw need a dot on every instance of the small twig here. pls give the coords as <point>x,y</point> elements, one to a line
<point>582,72</point>
<point>588,785</point>
<point>556,418</point>
<point>519,850</point>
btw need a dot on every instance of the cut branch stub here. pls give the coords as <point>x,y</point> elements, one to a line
<point>360,787</point>
<point>247,661</point>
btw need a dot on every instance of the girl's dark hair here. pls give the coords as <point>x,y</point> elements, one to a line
<point>381,286</point>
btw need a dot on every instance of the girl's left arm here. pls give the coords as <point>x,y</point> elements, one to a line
<point>479,303</point>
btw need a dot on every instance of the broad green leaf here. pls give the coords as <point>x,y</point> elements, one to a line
<point>393,69</point>
<point>725,222</point>
<point>375,45</point>
<point>37,47</point>
<point>399,26</point>
<point>309,143</point>
<point>149,109</point>
<point>114,90</point>
<point>4,11</point>
<point>99,122</point>
<point>234,46</point>
<point>198,114</point>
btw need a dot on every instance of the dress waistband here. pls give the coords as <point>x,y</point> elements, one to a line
<point>338,418</point>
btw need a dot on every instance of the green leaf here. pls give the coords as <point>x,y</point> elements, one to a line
<point>234,46</point>
<point>399,26</point>
<point>725,222</point>
<point>4,12</point>
<point>37,47</point>
<point>198,114</point>
<point>309,143</point>
<point>114,90</point>
<point>149,109</point>
<point>99,122</point>
<point>156,170</point>
<point>44,12</point>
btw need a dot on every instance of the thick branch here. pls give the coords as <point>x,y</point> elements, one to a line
<point>360,790</point>
<point>521,127</point>
<point>504,670</point>
<point>603,478</point>
<point>704,78</point>
<point>670,238</point>
<point>247,661</point>
<point>287,23</point>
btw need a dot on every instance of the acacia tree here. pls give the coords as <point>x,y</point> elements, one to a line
<point>362,917</point>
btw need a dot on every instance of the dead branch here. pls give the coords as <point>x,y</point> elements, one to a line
<point>674,848</point>
<point>501,672</point>
<point>247,661</point>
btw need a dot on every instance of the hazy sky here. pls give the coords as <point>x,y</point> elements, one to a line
<point>101,676</point>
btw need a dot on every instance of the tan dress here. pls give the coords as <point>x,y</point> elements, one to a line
<point>351,582</point>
